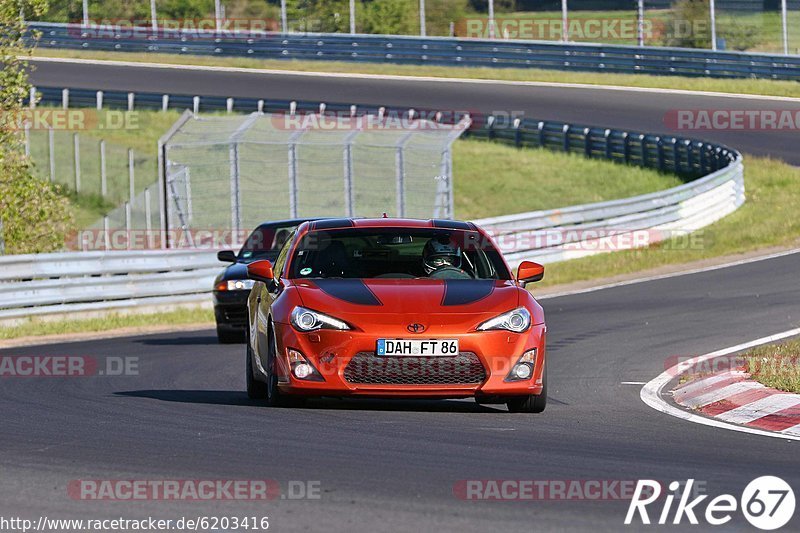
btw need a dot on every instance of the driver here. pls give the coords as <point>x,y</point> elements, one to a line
<point>440,259</point>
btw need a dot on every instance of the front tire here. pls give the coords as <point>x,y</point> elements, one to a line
<point>534,403</point>
<point>256,390</point>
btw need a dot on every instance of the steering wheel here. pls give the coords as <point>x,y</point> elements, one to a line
<point>449,272</point>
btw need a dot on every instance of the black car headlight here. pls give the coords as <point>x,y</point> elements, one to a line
<point>516,320</point>
<point>307,320</point>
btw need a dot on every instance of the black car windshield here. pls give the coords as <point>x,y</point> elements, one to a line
<point>266,242</point>
<point>397,253</point>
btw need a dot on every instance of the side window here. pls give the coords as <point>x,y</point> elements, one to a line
<point>280,262</point>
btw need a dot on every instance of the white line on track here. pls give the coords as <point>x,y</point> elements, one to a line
<point>651,393</point>
<point>670,275</point>
<point>438,79</point>
<point>632,383</point>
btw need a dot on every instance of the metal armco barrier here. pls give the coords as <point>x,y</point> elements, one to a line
<point>40,284</point>
<point>430,50</point>
<point>714,174</point>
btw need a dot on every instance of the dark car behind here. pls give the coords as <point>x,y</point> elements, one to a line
<point>231,286</point>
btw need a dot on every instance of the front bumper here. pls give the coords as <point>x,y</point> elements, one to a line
<point>335,354</point>
<point>230,309</point>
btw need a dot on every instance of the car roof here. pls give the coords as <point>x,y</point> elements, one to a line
<point>286,222</point>
<point>336,223</point>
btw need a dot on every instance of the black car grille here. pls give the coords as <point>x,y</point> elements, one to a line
<point>368,368</point>
<point>236,316</point>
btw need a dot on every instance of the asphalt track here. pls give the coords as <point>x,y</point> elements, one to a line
<point>392,465</point>
<point>635,110</point>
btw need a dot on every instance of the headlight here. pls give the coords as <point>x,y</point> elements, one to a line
<point>518,320</point>
<point>240,284</point>
<point>307,320</point>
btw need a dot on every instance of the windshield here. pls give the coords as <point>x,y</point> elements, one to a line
<point>397,253</point>
<point>266,242</point>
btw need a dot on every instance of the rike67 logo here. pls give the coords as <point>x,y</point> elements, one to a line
<point>767,503</point>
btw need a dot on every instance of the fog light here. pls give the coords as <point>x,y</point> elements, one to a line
<point>302,370</point>
<point>523,371</point>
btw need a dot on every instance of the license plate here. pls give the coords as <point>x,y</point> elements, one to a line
<point>417,347</point>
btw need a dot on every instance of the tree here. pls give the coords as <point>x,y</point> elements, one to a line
<point>35,217</point>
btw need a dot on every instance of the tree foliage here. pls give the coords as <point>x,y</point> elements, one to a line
<point>35,217</point>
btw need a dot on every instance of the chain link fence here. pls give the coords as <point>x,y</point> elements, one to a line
<point>230,173</point>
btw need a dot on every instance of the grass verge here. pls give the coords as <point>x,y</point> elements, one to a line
<point>34,327</point>
<point>736,86</point>
<point>776,365</point>
<point>767,219</point>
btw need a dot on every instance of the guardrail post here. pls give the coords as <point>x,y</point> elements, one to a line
<point>76,147</point>
<point>99,98</point>
<point>229,105</point>
<point>490,126</point>
<point>260,106</point>
<point>565,133</point>
<point>292,108</point>
<point>689,154</point>
<point>131,101</point>
<point>103,180</point>
<point>51,146</point>
<point>660,153</point>
<point>164,102</point>
<point>517,133</point>
<point>607,139</point>
<point>643,148</point>
<point>704,157</point>
<point>587,142</point>
<point>195,104</point>
<point>540,128</point>
<point>65,98</point>
<point>32,98</point>
<point>676,156</point>
<point>131,182</point>
<point>626,147</point>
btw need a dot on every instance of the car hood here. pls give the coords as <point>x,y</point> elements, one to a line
<point>436,304</point>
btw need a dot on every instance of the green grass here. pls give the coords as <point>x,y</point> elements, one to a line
<point>767,218</point>
<point>776,365</point>
<point>736,86</point>
<point>37,327</point>
<point>494,179</point>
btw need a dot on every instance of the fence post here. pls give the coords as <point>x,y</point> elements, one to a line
<point>292,180</point>
<point>76,146</point>
<point>128,225</point>
<point>51,146</point>
<point>713,9</point>
<point>103,177</point>
<point>236,213</point>
<point>422,30</point>
<point>32,98</point>
<point>148,225</point>
<point>106,245</point>
<point>27,130</point>
<point>131,182</point>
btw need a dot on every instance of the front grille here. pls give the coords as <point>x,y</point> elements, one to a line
<point>236,315</point>
<point>368,368</point>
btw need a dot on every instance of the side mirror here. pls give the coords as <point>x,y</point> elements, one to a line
<point>260,271</point>
<point>226,256</point>
<point>529,272</point>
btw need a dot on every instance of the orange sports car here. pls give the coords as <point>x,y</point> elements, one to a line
<point>395,308</point>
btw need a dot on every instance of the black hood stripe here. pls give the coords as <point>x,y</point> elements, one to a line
<point>349,290</point>
<point>466,291</point>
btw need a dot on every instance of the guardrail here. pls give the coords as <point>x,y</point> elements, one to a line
<point>424,50</point>
<point>67,282</point>
<point>42,284</point>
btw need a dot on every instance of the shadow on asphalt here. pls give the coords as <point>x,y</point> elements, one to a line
<point>180,341</point>
<point>239,398</point>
